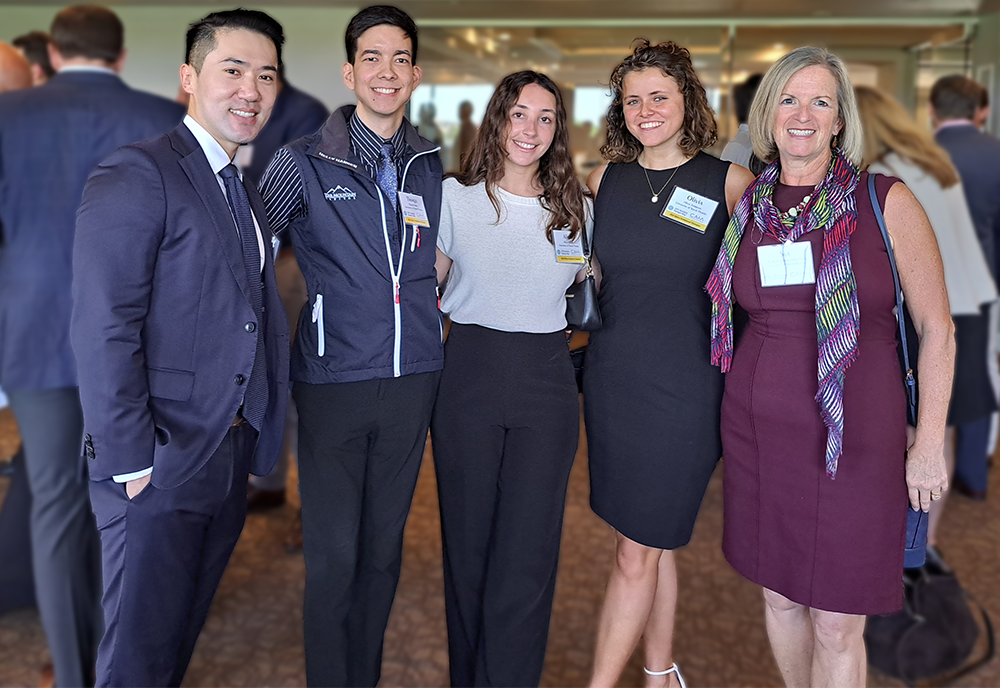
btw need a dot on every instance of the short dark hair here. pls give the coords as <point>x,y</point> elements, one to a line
<point>378,15</point>
<point>743,97</point>
<point>35,46</point>
<point>956,97</point>
<point>202,35</point>
<point>699,130</point>
<point>89,31</point>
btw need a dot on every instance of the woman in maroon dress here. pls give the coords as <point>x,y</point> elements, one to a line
<point>818,464</point>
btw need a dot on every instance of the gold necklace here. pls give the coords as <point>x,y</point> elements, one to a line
<point>656,194</point>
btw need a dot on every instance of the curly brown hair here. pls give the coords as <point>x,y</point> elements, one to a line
<point>699,131</point>
<point>563,194</point>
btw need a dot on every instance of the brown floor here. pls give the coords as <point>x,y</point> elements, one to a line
<point>254,634</point>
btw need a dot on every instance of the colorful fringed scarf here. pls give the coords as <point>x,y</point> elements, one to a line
<point>832,208</point>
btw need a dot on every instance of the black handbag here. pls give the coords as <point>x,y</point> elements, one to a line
<point>582,312</point>
<point>934,634</point>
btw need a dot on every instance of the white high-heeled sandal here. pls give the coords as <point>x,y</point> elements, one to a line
<point>674,669</point>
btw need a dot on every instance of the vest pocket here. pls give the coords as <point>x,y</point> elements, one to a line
<point>317,317</point>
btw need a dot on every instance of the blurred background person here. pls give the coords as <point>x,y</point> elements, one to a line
<point>817,465</point>
<point>955,103</point>
<point>652,410</point>
<point>15,72</point>
<point>740,149</point>
<point>295,114</point>
<point>507,418</point>
<point>895,145</point>
<point>466,134</point>
<point>35,48</point>
<point>427,127</point>
<point>51,137</point>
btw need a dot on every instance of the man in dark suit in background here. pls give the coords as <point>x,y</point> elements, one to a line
<point>51,137</point>
<point>177,318</point>
<point>956,102</point>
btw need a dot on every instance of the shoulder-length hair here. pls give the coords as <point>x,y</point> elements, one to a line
<point>562,193</point>
<point>890,129</point>
<point>765,103</point>
<point>699,130</point>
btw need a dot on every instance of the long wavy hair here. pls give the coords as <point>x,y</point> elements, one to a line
<point>890,129</point>
<point>562,193</point>
<point>699,130</point>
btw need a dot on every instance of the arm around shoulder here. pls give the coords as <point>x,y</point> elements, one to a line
<point>119,228</point>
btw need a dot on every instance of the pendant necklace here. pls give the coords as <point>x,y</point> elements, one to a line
<point>656,194</point>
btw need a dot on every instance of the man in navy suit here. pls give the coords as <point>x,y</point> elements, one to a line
<point>183,346</point>
<point>956,102</point>
<point>51,137</point>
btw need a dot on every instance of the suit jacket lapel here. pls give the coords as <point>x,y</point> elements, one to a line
<point>195,165</point>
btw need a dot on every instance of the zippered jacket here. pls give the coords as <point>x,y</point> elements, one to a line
<point>373,302</point>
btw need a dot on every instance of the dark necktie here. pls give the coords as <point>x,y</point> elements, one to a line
<point>255,397</point>
<point>386,174</point>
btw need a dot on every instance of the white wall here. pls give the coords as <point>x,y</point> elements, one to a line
<point>154,39</point>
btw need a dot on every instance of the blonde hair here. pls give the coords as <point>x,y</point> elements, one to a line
<point>765,103</point>
<point>890,129</point>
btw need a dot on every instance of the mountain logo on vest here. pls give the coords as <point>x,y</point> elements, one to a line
<point>340,193</point>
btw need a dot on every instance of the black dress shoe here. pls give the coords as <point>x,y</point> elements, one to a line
<point>960,486</point>
<point>260,500</point>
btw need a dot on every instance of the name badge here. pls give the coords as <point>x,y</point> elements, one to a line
<point>567,251</point>
<point>689,209</point>
<point>786,264</point>
<point>413,209</point>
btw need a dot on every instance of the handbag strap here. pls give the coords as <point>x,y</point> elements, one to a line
<point>909,380</point>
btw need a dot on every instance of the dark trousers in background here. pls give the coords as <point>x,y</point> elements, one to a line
<point>360,446</point>
<point>505,432</point>
<point>972,453</point>
<point>164,554</point>
<point>64,543</point>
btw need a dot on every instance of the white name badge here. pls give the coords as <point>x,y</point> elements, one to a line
<point>689,209</point>
<point>567,251</point>
<point>413,209</point>
<point>786,264</point>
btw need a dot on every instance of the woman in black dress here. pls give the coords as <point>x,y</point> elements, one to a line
<point>651,395</point>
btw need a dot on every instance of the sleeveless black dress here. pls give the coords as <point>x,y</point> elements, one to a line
<point>651,395</point>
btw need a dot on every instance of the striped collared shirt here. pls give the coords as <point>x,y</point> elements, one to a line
<point>367,145</point>
<point>281,184</point>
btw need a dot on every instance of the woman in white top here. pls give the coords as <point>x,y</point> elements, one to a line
<point>506,423</point>
<point>895,145</point>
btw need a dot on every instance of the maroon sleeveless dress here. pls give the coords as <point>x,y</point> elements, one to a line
<point>835,545</point>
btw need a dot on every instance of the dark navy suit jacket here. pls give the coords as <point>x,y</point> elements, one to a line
<point>51,137</point>
<point>977,157</point>
<point>161,316</point>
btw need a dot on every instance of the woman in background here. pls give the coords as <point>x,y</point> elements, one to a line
<point>896,145</point>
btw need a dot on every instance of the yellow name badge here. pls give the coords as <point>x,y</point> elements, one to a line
<point>567,251</point>
<point>689,209</point>
<point>413,209</point>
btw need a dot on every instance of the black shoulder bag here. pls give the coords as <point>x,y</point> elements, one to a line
<point>582,312</point>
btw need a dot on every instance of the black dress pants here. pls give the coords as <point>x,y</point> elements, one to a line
<point>360,446</point>
<point>505,432</point>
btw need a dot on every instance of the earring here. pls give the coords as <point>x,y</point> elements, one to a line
<point>835,141</point>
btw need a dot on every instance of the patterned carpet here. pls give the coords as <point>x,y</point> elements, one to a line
<point>254,634</point>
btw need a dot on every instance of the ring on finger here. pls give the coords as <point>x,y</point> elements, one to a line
<point>935,495</point>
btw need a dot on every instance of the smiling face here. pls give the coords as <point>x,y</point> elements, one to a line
<point>382,77</point>
<point>531,127</point>
<point>653,106</point>
<point>234,92</point>
<point>807,116</point>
